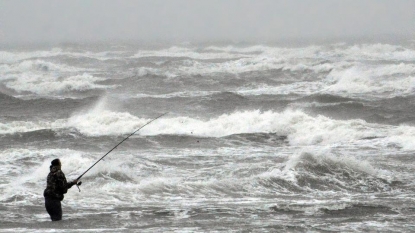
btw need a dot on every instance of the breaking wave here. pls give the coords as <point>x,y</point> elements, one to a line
<point>298,127</point>
<point>11,57</point>
<point>36,66</point>
<point>392,80</point>
<point>47,85</point>
<point>313,171</point>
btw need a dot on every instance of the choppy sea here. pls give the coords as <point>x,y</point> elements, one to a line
<point>258,138</point>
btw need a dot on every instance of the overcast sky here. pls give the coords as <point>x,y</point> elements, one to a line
<point>201,20</point>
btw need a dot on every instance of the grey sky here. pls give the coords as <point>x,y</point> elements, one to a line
<point>192,20</point>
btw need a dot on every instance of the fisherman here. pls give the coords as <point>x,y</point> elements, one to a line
<point>55,188</point>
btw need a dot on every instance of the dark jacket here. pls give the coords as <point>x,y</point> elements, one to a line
<point>56,184</point>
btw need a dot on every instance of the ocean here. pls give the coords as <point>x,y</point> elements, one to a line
<point>257,138</point>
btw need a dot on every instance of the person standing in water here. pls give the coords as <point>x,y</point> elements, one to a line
<point>55,188</point>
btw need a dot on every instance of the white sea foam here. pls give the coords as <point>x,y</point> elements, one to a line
<point>294,168</point>
<point>46,84</point>
<point>390,80</point>
<point>257,63</point>
<point>12,57</point>
<point>100,121</point>
<point>349,73</point>
<point>45,78</point>
<point>313,58</point>
<point>256,58</point>
<point>402,136</point>
<point>37,66</point>
<point>105,123</point>
<point>349,80</point>
<point>301,129</point>
<point>301,88</point>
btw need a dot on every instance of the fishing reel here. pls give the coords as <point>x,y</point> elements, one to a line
<point>79,184</point>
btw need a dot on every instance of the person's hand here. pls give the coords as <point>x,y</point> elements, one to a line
<point>75,181</point>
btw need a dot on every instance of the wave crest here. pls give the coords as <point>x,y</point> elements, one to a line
<point>324,172</point>
<point>45,85</point>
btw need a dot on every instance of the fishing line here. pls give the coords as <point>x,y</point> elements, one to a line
<point>116,147</point>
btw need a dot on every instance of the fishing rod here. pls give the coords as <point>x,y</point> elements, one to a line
<point>116,147</point>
